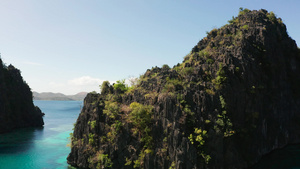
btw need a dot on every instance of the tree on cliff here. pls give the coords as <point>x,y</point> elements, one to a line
<point>234,98</point>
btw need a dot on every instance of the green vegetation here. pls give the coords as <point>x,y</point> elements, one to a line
<point>112,109</point>
<point>92,124</point>
<point>210,61</point>
<point>169,87</point>
<point>111,135</point>
<point>93,92</point>
<point>104,161</point>
<point>244,11</point>
<point>238,36</point>
<point>253,90</point>
<point>187,71</point>
<point>272,17</point>
<point>117,125</point>
<point>91,138</point>
<point>197,138</point>
<point>121,86</point>
<point>173,165</point>
<point>105,87</point>
<point>221,77</point>
<point>223,103</point>
<point>140,161</point>
<point>165,66</point>
<point>187,57</point>
<point>213,32</point>
<point>171,84</point>
<point>245,27</point>
<point>186,109</point>
<point>189,101</point>
<point>204,54</point>
<point>223,121</point>
<point>128,162</point>
<point>140,117</point>
<point>71,140</point>
<point>233,20</point>
<point>210,91</point>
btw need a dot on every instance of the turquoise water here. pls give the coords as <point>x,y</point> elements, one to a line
<point>45,147</point>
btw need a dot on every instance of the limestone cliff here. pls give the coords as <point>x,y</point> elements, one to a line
<point>234,98</point>
<point>16,106</point>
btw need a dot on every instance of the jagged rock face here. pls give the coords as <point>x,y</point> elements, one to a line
<point>234,98</point>
<point>16,105</point>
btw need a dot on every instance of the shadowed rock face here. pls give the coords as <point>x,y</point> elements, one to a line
<point>16,105</point>
<point>234,98</point>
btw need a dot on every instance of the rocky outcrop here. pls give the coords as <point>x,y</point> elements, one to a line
<point>16,105</point>
<point>234,98</point>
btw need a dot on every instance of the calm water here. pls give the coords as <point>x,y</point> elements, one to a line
<point>46,148</point>
<point>41,148</point>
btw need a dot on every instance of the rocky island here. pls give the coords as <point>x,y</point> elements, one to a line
<point>58,96</point>
<point>234,98</point>
<point>16,106</point>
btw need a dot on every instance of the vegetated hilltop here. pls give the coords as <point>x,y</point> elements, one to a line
<point>234,98</point>
<point>16,106</point>
<point>58,96</point>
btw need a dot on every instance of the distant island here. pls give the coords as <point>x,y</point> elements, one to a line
<point>58,96</point>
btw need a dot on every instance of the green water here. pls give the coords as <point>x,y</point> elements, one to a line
<point>41,148</point>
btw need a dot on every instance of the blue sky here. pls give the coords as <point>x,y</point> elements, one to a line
<point>70,46</point>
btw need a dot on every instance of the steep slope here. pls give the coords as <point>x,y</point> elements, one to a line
<point>234,98</point>
<point>16,106</point>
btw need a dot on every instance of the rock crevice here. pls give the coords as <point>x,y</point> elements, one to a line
<point>233,99</point>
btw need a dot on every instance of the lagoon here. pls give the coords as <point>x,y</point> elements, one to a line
<point>45,147</point>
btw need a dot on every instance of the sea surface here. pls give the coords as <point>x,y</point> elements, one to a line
<point>44,147</point>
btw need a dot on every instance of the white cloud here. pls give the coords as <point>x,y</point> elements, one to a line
<point>76,85</point>
<point>54,84</point>
<point>85,81</point>
<point>33,63</point>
